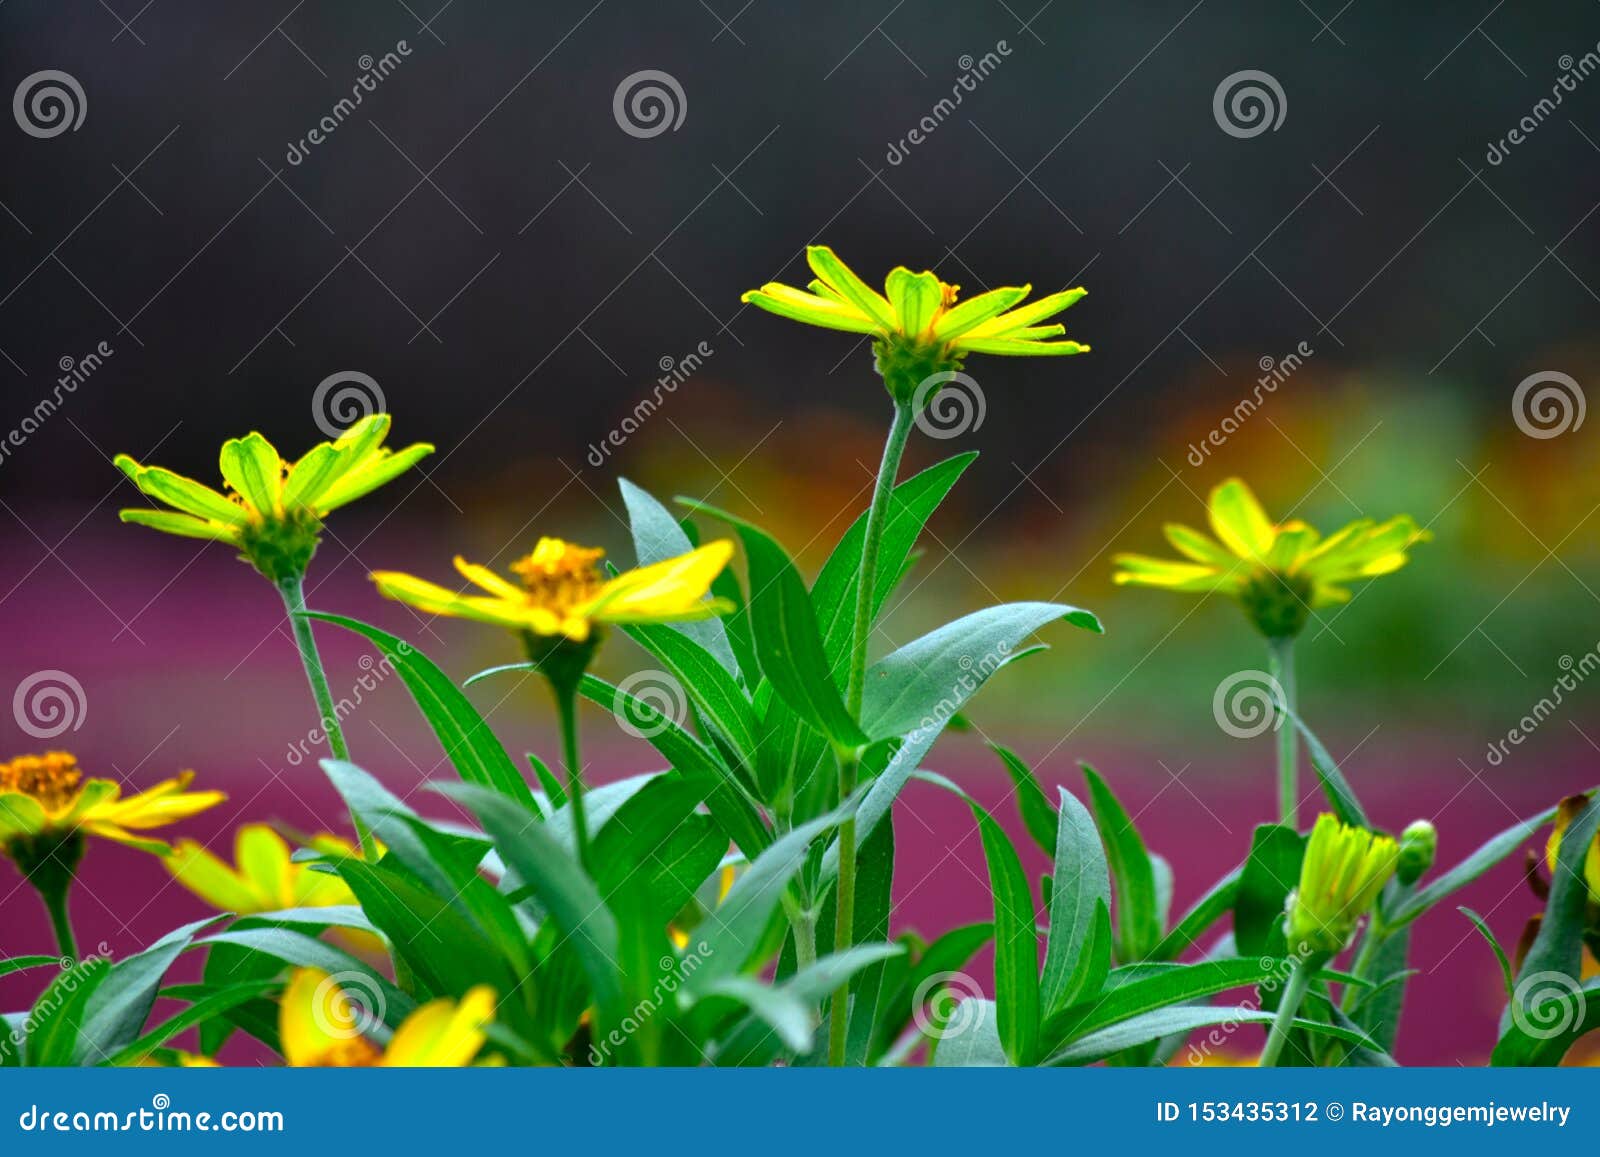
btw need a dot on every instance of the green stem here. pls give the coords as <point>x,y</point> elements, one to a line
<point>55,902</point>
<point>803,923</point>
<point>1365,955</point>
<point>294,599</point>
<point>844,923</point>
<point>566,693</point>
<point>894,449</point>
<point>1280,663</point>
<point>1293,993</point>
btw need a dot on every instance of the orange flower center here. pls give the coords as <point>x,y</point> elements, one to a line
<point>560,575</point>
<point>52,778</point>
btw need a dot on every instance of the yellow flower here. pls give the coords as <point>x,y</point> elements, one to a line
<point>1278,573</point>
<point>266,879</point>
<point>1343,871</point>
<point>44,799</point>
<point>919,309</point>
<point>319,1027</point>
<point>708,898</point>
<point>563,593</point>
<point>272,509</point>
<point>1591,863</point>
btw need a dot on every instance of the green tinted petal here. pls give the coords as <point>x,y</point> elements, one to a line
<point>1015,348</point>
<point>826,265</point>
<point>317,470</point>
<point>812,310</point>
<point>368,478</point>
<point>182,493</point>
<point>1238,520</point>
<point>1033,312</point>
<point>916,297</point>
<point>364,437</point>
<point>1142,570</point>
<point>21,813</point>
<point>253,468</point>
<point>184,525</point>
<point>973,312</point>
<point>1292,542</point>
<point>1193,544</point>
<point>823,289</point>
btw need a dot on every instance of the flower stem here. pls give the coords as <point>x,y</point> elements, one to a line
<point>1293,993</point>
<point>1280,662</point>
<point>894,449</point>
<point>294,600</point>
<point>1365,956</point>
<point>566,693</point>
<point>55,902</point>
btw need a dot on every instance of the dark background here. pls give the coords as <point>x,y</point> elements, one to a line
<point>483,239</point>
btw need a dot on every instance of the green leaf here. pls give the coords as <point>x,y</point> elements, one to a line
<point>566,893</point>
<point>658,537</point>
<point>213,1003</point>
<point>1037,814</point>
<point>469,744</point>
<point>715,693</point>
<point>787,640</point>
<point>1167,986</point>
<point>121,1003</point>
<point>1216,903</point>
<point>739,929</point>
<point>1080,897</point>
<point>921,685</point>
<point>302,951</point>
<point>1270,873</point>
<point>19,963</point>
<point>60,1014</point>
<point>970,1039</point>
<point>1016,944</point>
<point>726,797</point>
<point>1334,785</point>
<point>1152,1026</point>
<point>1487,856</point>
<point>788,1011</point>
<point>1138,920</point>
<point>1487,933</point>
<point>637,847</point>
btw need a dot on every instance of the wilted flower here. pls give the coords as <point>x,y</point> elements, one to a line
<point>1344,870</point>
<point>1278,574</point>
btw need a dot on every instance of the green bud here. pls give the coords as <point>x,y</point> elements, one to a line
<point>1417,846</point>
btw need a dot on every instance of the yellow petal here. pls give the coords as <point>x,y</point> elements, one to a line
<point>362,479</point>
<point>973,312</point>
<point>1029,314</point>
<point>183,525</point>
<point>442,1034</point>
<point>212,880</point>
<point>181,493</point>
<point>916,298</point>
<point>307,1016</point>
<point>487,579</point>
<point>163,804</point>
<point>797,306</point>
<point>669,589</point>
<point>252,467</point>
<point>825,264</point>
<point>263,858</point>
<point>438,600</point>
<point>1194,545</point>
<point>1238,520</point>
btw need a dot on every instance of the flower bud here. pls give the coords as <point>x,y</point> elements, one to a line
<point>1417,846</point>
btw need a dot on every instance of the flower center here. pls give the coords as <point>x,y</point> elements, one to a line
<point>560,575</point>
<point>355,1053</point>
<point>52,778</point>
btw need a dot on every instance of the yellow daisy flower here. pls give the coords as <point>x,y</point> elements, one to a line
<point>1343,871</point>
<point>44,799</point>
<point>266,878</point>
<point>919,309</point>
<point>1591,863</point>
<point>562,593</point>
<point>318,1026</point>
<point>272,509</point>
<point>1277,573</point>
